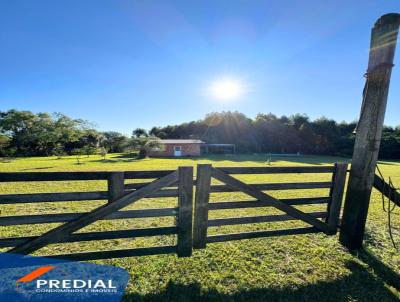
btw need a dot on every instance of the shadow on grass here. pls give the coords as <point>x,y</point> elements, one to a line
<point>113,161</point>
<point>120,158</point>
<point>385,273</point>
<point>38,168</point>
<point>359,285</point>
<point>127,155</point>
<point>7,160</point>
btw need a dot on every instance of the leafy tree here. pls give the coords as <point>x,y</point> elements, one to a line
<point>115,141</point>
<point>308,138</point>
<point>4,144</point>
<point>298,120</point>
<point>139,132</point>
<point>40,134</point>
<point>26,133</point>
<point>157,132</point>
<point>329,135</point>
<point>17,125</point>
<point>89,150</point>
<point>269,133</point>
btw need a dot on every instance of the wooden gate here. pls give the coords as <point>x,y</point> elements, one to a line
<point>173,183</point>
<point>204,187</point>
<point>119,196</point>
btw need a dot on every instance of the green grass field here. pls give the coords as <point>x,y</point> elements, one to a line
<point>311,267</point>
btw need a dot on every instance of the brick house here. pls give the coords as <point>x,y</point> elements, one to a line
<point>178,147</point>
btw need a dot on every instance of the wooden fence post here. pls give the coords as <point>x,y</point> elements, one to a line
<point>339,180</point>
<point>369,130</point>
<point>185,215</point>
<point>115,186</point>
<point>201,206</point>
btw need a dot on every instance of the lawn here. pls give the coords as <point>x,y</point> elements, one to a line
<point>312,267</point>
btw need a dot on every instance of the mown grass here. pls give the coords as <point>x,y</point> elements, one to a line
<point>310,267</point>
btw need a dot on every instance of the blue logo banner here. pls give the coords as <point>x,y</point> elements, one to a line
<point>28,278</point>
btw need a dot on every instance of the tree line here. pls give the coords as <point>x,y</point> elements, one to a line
<point>268,133</point>
<point>24,133</point>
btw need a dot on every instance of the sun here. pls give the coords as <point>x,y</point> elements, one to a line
<point>226,89</point>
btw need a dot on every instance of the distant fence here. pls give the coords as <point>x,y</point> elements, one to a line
<point>171,183</point>
<point>285,154</point>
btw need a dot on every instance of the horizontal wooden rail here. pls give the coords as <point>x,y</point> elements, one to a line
<point>52,176</point>
<point>258,219</point>
<point>81,175</point>
<point>386,190</point>
<point>52,197</point>
<point>54,218</point>
<point>162,193</point>
<point>276,186</point>
<point>276,170</point>
<point>225,205</point>
<point>117,253</point>
<point>103,175</point>
<point>73,196</point>
<point>118,234</point>
<point>260,234</point>
<point>135,186</point>
<point>147,174</point>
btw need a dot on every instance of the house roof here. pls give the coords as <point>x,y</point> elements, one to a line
<point>181,141</point>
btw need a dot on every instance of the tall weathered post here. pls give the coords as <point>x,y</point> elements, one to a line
<point>369,130</point>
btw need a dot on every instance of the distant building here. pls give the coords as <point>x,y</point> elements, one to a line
<point>178,147</point>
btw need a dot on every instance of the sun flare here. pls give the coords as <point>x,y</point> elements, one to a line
<point>226,89</point>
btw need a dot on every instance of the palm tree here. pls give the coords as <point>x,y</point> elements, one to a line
<point>147,144</point>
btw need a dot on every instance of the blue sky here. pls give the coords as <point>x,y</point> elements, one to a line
<point>129,64</point>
